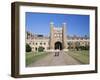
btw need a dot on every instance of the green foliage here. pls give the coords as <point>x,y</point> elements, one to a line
<point>41,49</point>
<point>84,47</point>
<point>77,48</point>
<point>28,48</point>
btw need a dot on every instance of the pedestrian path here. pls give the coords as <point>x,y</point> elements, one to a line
<point>52,60</point>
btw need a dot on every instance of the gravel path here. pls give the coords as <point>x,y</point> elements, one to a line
<point>52,60</point>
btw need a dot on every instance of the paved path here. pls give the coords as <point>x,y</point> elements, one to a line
<point>51,60</point>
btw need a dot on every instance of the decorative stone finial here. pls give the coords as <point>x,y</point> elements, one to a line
<point>51,23</point>
<point>64,23</point>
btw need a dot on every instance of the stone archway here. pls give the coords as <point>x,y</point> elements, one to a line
<point>58,45</point>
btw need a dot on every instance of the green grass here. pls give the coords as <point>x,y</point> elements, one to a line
<point>31,57</point>
<point>81,56</point>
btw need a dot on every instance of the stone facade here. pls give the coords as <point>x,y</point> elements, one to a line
<point>58,39</point>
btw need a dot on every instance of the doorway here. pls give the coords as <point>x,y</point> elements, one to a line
<point>58,45</point>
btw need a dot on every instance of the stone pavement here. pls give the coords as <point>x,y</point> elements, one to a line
<point>52,60</point>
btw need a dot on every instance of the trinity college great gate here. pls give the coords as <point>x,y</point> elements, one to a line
<point>57,39</point>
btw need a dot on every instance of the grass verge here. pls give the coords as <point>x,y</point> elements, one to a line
<point>81,56</point>
<point>31,57</point>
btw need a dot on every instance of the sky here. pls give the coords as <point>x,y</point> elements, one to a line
<point>39,23</point>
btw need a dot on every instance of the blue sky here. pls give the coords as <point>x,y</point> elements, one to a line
<point>40,23</point>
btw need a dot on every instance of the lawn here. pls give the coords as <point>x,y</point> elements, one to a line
<point>81,56</point>
<point>31,57</point>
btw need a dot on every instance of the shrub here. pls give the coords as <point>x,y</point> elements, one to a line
<point>84,47</point>
<point>77,48</point>
<point>28,48</point>
<point>41,49</point>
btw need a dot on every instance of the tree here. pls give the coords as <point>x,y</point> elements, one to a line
<point>41,49</point>
<point>69,45</point>
<point>84,47</point>
<point>77,46</point>
<point>28,48</point>
<point>87,47</point>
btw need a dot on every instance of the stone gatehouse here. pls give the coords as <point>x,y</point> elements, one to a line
<point>57,39</point>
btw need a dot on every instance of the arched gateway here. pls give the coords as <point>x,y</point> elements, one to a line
<point>58,39</point>
<point>58,45</point>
